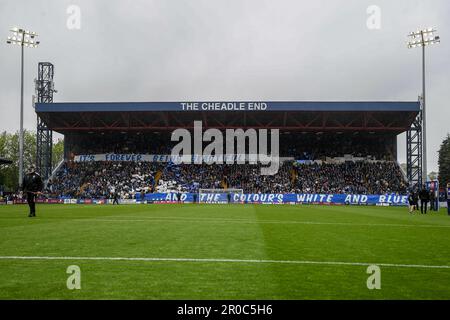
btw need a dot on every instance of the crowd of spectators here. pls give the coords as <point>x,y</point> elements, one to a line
<point>360,177</point>
<point>104,179</point>
<point>191,178</point>
<point>5,197</point>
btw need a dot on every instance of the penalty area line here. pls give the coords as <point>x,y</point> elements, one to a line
<point>243,261</point>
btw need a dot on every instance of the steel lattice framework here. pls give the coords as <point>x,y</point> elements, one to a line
<point>414,153</point>
<point>44,136</point>
<point>80,121</point>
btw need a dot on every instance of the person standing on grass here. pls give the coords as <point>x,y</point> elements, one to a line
<point>424,197</point>
<point>416,200</point>
<point>195,197</point>
<point>411,202</point>
<point>32,185</point>
<point>432,201</point>
<point>142,195</point>
<point>179,196</point>
<point>116,198</point>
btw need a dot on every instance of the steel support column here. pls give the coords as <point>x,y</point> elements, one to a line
<point>44,136</point>
<point>414,153</point>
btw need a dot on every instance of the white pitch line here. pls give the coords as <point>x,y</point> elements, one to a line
<point>206,220</point>
<point>245,221</point>
<point>205,260</point>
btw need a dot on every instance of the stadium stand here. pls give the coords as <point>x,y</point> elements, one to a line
<point>361,177</point>
<point>101,179</point>
<point>328,147</point>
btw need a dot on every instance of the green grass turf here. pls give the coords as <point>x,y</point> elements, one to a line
<point>267,232</point>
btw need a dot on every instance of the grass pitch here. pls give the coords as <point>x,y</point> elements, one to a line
<point>223,252</point>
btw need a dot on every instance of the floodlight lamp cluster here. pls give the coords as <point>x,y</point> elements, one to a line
<point>23,37</point>
<point>422,38</point>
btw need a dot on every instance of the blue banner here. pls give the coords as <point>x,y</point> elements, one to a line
<point>272,198</point>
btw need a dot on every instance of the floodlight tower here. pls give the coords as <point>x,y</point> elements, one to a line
<point>423,38</point>
<point>23,38</point>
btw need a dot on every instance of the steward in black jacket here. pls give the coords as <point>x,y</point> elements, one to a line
<point>32,185</point>
<point>424,197</point>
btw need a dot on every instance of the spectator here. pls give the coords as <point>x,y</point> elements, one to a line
<point>100,179</point>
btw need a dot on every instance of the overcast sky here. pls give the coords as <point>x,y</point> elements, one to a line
<point>165,50</point>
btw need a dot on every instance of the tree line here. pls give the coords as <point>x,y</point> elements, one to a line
<point>444,162</point>
<point>9,149</point>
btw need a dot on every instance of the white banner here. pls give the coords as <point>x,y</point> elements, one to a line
<point>161,158</point>
<point>122,157</point>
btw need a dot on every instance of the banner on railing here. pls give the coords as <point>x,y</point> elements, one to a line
<point>272,198</point>
<point>256,198</point>
<point>165,158</point>
<point>114,157</point>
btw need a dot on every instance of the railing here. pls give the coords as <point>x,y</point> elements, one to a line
<point>404,173</point>
<point>55,170</point>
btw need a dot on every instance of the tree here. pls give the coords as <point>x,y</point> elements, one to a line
<point>57,152</point>
<point>444,162</point>
<point>9,149</point>
<point>433,175</point>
